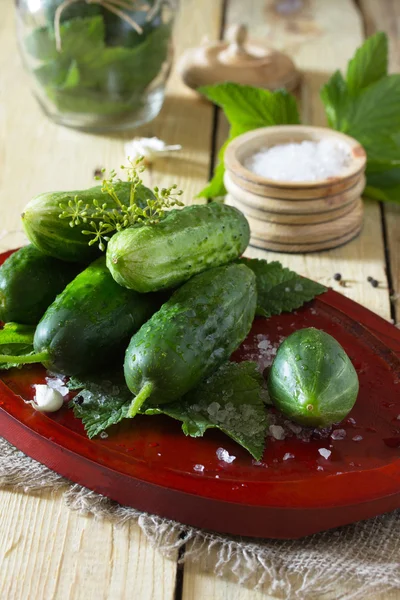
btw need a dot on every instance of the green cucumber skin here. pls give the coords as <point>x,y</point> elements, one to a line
<point>91,321</point>
<point>29,282</point>
<point>193,333</point>
<point>54,236</point>
<point>312,369</point>
<point>186,242</point>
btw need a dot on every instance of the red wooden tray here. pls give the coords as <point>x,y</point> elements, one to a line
<point>149,464</point>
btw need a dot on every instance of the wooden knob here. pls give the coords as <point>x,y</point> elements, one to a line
<point>237,34</point>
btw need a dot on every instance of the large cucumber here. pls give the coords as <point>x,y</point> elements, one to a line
<point>184,243</point>
<point>54,236</point>
<point>90,322</point>
<point>29,282</point>
<point>197,330</point>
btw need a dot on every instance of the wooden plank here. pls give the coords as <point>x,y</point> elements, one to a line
<point>46,551</point>
<point>311,37</point>
<point>385,16</point>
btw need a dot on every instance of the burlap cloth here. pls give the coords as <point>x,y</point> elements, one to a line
<point>363,557</point>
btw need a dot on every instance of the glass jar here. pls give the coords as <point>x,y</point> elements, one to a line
<point>97,64</point>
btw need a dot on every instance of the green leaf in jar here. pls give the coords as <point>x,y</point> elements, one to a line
<point>312,380</point>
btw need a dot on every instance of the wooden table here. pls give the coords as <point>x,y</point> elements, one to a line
<point>46,551</point>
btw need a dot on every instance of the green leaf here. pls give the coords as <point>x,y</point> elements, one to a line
<point>41,44</point>
<point>216,186</point>
<point>367,107</point>
<point>250,107</point>
<point>230,400</point>
<point>16,340</point>
<point>336,99</point>
<point>53,73</point>
<point>369,63</point>
<point>279,289</point>
<point>82,38</point>
<point>246,108</point>
<point>103,401</point>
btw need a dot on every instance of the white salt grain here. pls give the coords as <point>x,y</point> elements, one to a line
<point>305,161</point>
<point>287,456</point>
<point>198,468</point>
<point>224,455</point>
<point>338,434</point>
<point>277,432</point>
<point>357,438</point>
<point>324,452</point>
<point>104,435</point>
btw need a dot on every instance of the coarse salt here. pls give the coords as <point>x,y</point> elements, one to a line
<point>224,455</point>
<point>357,438</point>
<point>324,452</point>
<point>198,468</point>
<point>305,161</point>
<point>287,456</point>
<point>277,432</point>
<point>338,434</point>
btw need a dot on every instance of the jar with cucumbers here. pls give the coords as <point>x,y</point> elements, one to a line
<point>97,65</point>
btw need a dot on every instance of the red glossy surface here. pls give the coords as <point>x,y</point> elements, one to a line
<point>149,464</point>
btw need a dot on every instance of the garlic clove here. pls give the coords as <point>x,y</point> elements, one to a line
<point>47,399</point>
<point>149,148</point>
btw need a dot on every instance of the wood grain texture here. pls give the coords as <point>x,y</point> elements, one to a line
<point>385,16</point>
<point>46,551</point>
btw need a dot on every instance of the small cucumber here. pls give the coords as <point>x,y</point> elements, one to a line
<point>312,380</point>
<point>192,334</point>
<point>29,282</point>
<point>184,243</point>
<point>54,236</point>
<point>90,322</point>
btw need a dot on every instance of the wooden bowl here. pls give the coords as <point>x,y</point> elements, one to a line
<point>296,216</point>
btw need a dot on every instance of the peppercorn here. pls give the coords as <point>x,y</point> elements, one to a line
<point>337,277</point>
<point>374,283</point>
<point>370,278</point>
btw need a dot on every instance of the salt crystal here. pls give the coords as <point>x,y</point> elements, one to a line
<point>277,432</point>
<point>264,344</point>
<point>198,468</point>
<point>357,438</point>
<point>104,435</point>
<point>320,468</point>
<point>224,455</point>
<point>398,417</point>
<point>293,427</point>
<point>57,384</point>
<point>351,421</point>
<point>324,452</point>
<point>305,161</point>
<point>287,456</point>
<point>338,434</point>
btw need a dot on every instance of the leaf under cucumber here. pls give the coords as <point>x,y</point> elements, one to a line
<point>232,400</point>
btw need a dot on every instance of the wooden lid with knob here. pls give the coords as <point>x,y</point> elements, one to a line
<point>238,60</point>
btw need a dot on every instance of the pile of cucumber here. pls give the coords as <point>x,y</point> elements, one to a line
<point>170,299</point>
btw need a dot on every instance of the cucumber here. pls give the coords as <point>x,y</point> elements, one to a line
<point>54,236</point>
<point>312,380</point>
<point>184,243</point>
<point>90,322</point>
<point>29,282</point>
<point>192,334</point>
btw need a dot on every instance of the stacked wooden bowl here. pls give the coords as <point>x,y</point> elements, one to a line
<point>296,216</point>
